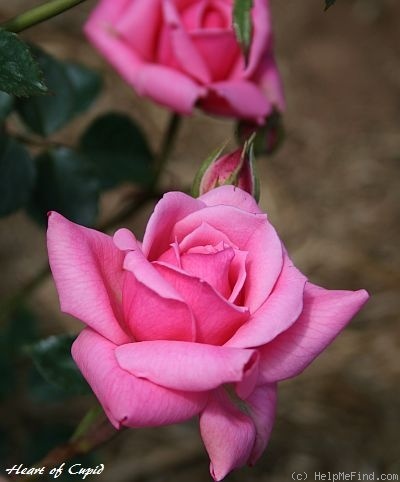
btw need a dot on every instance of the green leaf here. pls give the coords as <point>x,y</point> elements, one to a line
<point>73,89</point>
<point>242,24</point>
<point>86,85</point>
<point>17,175</point>
<point>6,105</point>
<point>329,3</point>
<point>117,150</point>
<point>19,73</point>
<point>65,184</point>
<point>45,115</point>
<point>52,358</point>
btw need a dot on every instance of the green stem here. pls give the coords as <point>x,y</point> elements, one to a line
<point>38,14</point>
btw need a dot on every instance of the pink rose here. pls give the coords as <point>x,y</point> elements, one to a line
<point>184,54</point>
<point>203,317</point>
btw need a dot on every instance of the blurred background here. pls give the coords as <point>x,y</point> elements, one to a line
<point>332,191</point>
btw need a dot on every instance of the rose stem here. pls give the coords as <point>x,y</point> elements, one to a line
<point>38,14</point>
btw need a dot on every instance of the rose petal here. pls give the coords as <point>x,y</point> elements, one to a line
<point>262,36</point>
<point>168,211</point>
<point>325,314</point>
<point>216,318</point>
<point>270,82</point>
<point>227,433</point>
<point>278,313</point>
<point>249,232</point>
<point>219,49</point>
<point>186,366</point>
<point>213,15</point>
<point>261,406</point>
<point>127,400</point>
<point>169,87</point>
<point>213,268</point>
<point>188,57</point>
<point>172,256</point>
<point>164,85</point>
<point>125,240</point>
<point>87,270</point>
<point>140,35</point>
<point>153,309</point>
<point>239,98</point>
<point>237,275</point>
<point>203,235</point>
<point>231,196</point>
<point>110,11</point>
<point>100,31</point>
<point>192,14</point>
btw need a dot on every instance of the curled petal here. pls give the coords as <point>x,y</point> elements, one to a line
<point>103,35</point>
<point>139,35</point>
<point>87,270</point>
<point>278,313</point>
<point>213,268</point>
<point>261,406</point>
<point>127,400</point>
<point>173,207</point>
<point>184,50</point>
<point>169,87</point>
<point>125,240</point>
<point>153,309</point>
<point>270,82</point>
<point>216,318</point>
<point>325,314</point>
<point>249,232</point>
<point>261,44</point>
<point>238,98</point>
<point>228,434</point>
<point>219,48</point>
<point>203,235</point>
<point>186,366</point>
<point>231,196</point>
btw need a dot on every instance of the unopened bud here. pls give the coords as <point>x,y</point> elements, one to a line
<point>236,168</point>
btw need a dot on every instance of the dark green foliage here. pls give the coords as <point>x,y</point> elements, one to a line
<point>65,184</point>
<point>17,175</point>
<point>118,151</point>
<point>52,358</point>
<point>20,75</point>
<point>72,88</point>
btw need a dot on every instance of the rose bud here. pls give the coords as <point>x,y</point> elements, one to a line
<point>236,168</point>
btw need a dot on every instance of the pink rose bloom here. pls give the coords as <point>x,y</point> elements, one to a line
<point>184,54</point>
<point>203,317</point>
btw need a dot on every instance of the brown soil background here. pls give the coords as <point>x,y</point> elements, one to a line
<point>332,191</point>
